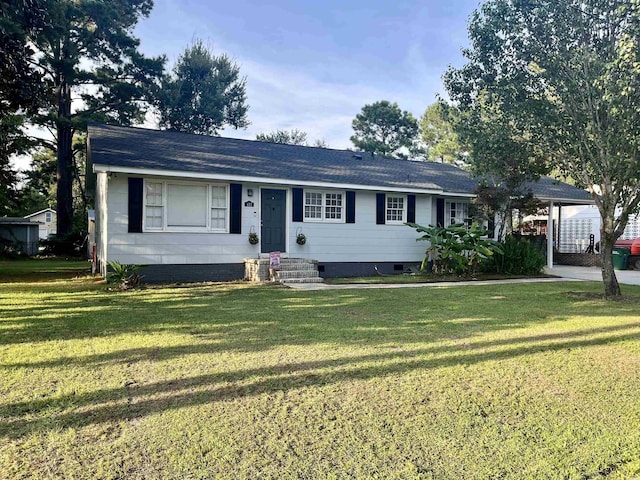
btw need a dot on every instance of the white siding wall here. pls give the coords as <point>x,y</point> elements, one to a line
<point>47,228</point>
<point>175,248</point>
<point>102,184</point>
<point>363,241</point>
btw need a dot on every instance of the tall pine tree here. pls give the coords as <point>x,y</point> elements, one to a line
<point>203,94</point>
<point>90,69</point>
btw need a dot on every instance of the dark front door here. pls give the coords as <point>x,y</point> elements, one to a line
<point>273,211</point>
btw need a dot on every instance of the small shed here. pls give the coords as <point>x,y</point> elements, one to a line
<point>18,235</point>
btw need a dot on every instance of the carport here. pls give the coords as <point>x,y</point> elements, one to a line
<point>558,194</point>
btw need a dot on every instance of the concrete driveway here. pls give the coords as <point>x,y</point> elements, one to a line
<point>625,277</point>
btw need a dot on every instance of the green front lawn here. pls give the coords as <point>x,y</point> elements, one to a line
<point>39,269</point>
<point>241,381</point>
<point>425,278</point>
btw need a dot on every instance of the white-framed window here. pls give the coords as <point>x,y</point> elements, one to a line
<point>219,206</point>
<point>321,206</point>
<point>153,206</point>
<point>48,217</point>
<point>175,206</point>
<point>396,209</point>
<point>313,206</point>
<point>457,212</point>
<point>333,206</point>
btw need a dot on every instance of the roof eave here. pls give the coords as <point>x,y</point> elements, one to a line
<point>41,211</point>
<point>566,201</point>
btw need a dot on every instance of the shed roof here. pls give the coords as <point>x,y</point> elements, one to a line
<point>118,148</point>
<point>39,212</point>
<point>16,221</point>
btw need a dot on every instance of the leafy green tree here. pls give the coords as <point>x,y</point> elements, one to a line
<point>290,137</point>
<point>90,69</point>
<point>19,87</point>
<point>562,79</point>
<point>501,156</point>
<point>12,142</point>
<point>203,94</point>
<point>39,190</point>
<point>20,20</point>
<point>385,129</point>
<point>39,183</point>
<point>438,135</point>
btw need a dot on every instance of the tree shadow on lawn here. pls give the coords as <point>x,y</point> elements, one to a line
<point>66,315</point>
<point>133,401</point>
<point>159,354</point>
<point>239,317</point>
<point>42,270</point>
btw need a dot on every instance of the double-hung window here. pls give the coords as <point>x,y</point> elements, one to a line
<point>175,206</point>
<point>154,209</point>
<point>218,207</point>
<point>457,212</point>
<point>333,207</point>
<point>323,206</point>
<point>313,202</point>
<point>396,209</point>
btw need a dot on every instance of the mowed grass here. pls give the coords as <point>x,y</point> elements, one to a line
<point>240,381</point>
<point>424,278</point>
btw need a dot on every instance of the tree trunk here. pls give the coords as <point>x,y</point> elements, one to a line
<point>611,286</point>
<point>64,171</point>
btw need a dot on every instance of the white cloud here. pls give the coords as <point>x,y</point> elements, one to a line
<point>285,99</point>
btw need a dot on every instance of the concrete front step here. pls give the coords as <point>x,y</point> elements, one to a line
<point>302,280</point>
<point>286,274</point>
<point>292,261</point>
<point>297,266</point>
<point>292,270</point>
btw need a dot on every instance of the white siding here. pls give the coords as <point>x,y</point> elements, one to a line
<point>47,228</point>
<point>363,241</point>
<point>173,247</point>
<point>102,184</point>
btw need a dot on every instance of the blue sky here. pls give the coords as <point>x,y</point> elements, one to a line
<point>313,65</point>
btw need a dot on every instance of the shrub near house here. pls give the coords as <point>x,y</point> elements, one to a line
<point>456,248</point>
<point>518,257</point>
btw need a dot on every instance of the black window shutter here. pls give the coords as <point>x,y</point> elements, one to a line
<point>381,214</point>
<point>235,194</point>
<point>440,212</point>
<point>411,208</point>
<point>491,226</point>
<point>351,207</point>
<point>298,205</point>
<point>135,205</point>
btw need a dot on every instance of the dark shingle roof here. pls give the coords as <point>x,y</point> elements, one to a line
<point>162,150</point>
<point>16,221</point>
<point>548,188</point>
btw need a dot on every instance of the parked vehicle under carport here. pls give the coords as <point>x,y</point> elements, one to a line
<point>633,245</point>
